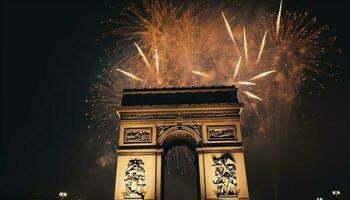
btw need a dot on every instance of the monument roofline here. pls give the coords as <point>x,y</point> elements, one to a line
<point>212,95</point>
<point>179,89</point>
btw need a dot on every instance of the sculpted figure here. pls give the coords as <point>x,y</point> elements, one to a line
<point>225,175</point>
<point>135,178</point>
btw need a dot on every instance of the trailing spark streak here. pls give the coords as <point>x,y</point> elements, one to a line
<point>252,95</point>
<point>262,75</point>
<point>129,75</point>
<point>201,74</point>
<point>278,21</point>
<point>157,61</point>
<point>261,47</point>
<point>245,83</point>
<point>228,27</point>
<point>237,68</point>
<point>142,55</point>
<point>245,44</point>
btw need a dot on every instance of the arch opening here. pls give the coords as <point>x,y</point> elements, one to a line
<point>180,167</point>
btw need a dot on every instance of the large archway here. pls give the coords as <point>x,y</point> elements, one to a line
<point>180,143</point>
<point>180,168</point>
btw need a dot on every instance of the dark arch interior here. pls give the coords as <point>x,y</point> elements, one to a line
<point>180,169</point>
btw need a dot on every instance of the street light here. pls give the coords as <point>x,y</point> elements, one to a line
<point>62,194</point>
<point>336,193</point>
<point>319,198</point>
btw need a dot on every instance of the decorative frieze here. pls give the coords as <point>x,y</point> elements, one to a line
<point>189,115</point>
<point>227,132</point>
<point>137,135</point>
<point>196,127</point>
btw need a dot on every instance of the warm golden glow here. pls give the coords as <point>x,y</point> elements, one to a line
<point>129,75</point>
<point>157,61</point>
<point>245,83</point>
<point>262,75</point>
<point>201,74</point>
<point>228,27</point>
<point>261,47</point>
<point>278,21</point>
<point>182,45</point>
<point>245,45</point>
<point>237,68</point>
<point>143,55</point>
<point>252,95</point>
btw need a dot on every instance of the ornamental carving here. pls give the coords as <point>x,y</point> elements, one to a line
<point>151,116</point>
<point>221,132</point>
<point>225,175</point>
<point>137,135</point>
<point>135,178</point>
<point>196,127</point>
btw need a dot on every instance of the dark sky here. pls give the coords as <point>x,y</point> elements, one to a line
<point>49,58</point>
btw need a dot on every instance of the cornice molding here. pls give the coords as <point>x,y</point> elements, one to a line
<point>180,108</point>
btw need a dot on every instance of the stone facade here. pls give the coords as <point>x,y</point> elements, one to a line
<point>214,128</point>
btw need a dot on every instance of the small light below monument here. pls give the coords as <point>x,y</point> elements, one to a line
<point>336,193</point>
<point>319,198</point>
<point>62,194</point>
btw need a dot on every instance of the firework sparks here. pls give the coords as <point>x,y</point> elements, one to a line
<point>262,75</point>
<point>245,83</point>
<point>201,74</point>
<point>228,27</point>
<point>252,95</point>
<point>157,61</point>
<point>245,45</point>
<point>184,40</point>
<point>278,21</point>
<point>261,47</point>
<point>237,68</point>
<point>143,55</point>
<point>129,75</point>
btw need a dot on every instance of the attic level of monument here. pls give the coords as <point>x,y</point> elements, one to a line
<point>180,96</point>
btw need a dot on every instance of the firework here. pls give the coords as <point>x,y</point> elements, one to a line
<point>169,44</point>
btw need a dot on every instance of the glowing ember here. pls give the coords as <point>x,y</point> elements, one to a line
<point>130,75</point>
<point>252,95</point>
<point>201,74</point>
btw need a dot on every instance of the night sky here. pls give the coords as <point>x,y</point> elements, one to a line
<point>50,58</point>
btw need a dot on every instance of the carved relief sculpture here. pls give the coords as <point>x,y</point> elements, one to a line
<point>196,127</point>
<point>225,175</point>
<point>221,132</point>
<point>137,135</point>
<point>135,179</point>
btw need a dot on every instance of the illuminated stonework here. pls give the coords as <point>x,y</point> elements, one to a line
<point>135,183</point>
<point>208,116</point>
<point>225,175</point>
